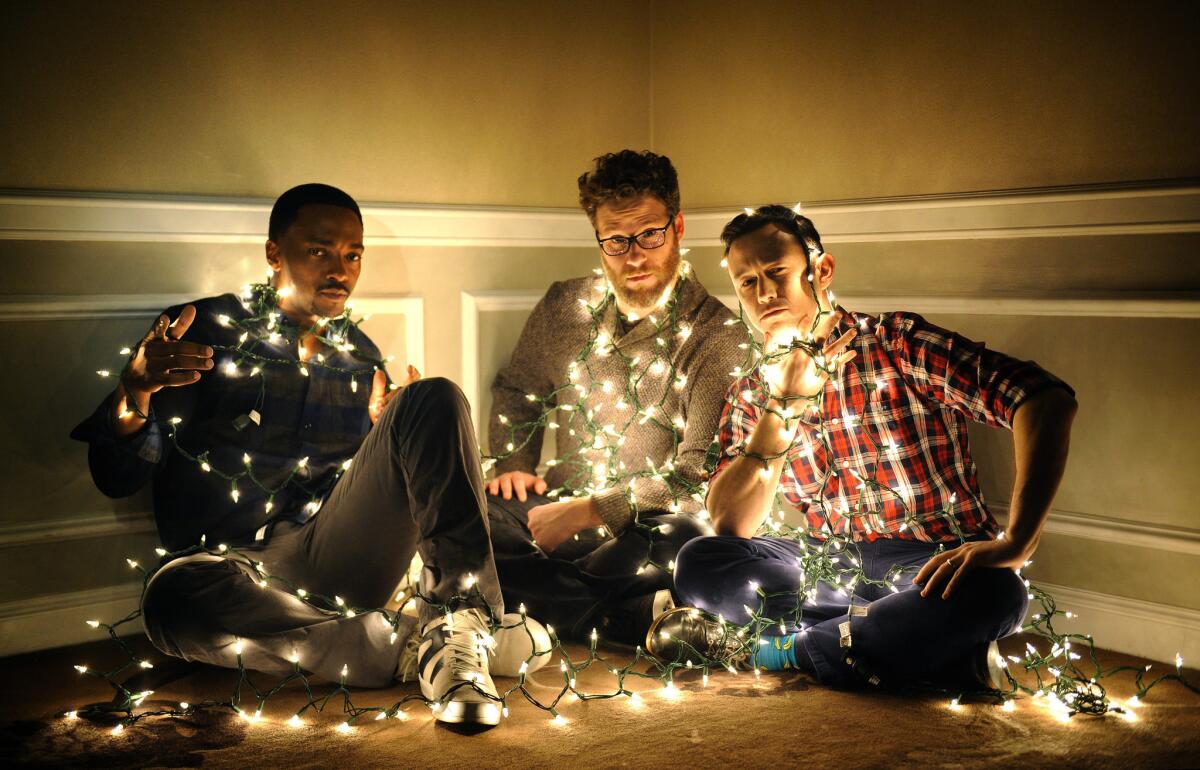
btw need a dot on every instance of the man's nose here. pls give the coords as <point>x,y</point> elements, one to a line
<point>766,291</point>
<point>637,256</point>
<point>338,268</point>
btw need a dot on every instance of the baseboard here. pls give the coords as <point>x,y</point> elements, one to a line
<point>1146,629</point>
<point>57,620</point>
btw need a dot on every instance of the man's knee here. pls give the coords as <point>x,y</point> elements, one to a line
<point>680,529</point>
<point>1002,595</point>
<point>694,576</point>
<point>173,609</point>
<point>429,396</point>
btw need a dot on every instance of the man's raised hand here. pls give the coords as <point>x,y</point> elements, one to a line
<point>164,360</point>
<point>382,395</point>
<point>519,482</point>
<point>800,375</point>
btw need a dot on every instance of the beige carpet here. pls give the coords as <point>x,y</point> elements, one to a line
<point>776,720</point>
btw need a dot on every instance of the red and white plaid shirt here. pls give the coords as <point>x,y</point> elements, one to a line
<point>896,416</point>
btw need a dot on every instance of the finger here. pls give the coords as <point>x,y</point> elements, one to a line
<point>928,567</point>
<point>939,576</point>
<point>825,327</point>
<point>962,570</point>
<point>171,363</point>
<point>506,486</point>
<point>176,379</point>
<point>157,329</point>
<point>493,487</point>
<point>519,488</point>
<point>841,342</point>
<point>539,486</point>
<point>182,323</point>
<point>171,347</point>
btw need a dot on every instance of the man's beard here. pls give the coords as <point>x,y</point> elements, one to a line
<point>643,300</point>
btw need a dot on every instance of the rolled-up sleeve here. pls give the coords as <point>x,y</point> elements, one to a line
<point>985,385</point>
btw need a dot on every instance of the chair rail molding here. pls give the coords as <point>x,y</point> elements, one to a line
<point>1030,213</point>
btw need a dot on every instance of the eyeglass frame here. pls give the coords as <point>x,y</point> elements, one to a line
<point>630,239</point>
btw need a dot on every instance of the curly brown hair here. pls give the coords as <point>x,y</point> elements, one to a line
<point>626,175</point>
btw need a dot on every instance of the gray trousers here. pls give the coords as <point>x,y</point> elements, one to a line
<point>415,486</point>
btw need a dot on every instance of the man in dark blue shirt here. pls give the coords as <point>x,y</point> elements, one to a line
<point>303,482</point>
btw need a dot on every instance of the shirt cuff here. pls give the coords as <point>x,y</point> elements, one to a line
<point>613,508</point>
<point>146,444</point>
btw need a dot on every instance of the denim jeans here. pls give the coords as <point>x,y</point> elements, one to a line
<point>590,574</point>
<point>898,639</point>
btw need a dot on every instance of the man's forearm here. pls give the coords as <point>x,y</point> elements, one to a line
<point>740,498</point>
<point>1041,439</point>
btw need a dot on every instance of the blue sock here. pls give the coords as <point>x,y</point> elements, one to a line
<point>779,653</point>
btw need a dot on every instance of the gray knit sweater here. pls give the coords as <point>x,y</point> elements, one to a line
<point>640,456</point>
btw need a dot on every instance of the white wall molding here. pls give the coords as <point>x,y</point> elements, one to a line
<point>473,305</point>
<point>1006,214</point>
<point>84,527</point>
<point>120,306</point>
<point>1084,211</point>
<point>1106,529</point>
<point>1136,627</point>
<point>55,620</point>
<point>1099,307</point>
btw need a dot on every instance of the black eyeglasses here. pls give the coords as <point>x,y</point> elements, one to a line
<point>647,239</point>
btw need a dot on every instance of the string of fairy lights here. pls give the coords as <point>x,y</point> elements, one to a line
<point>1064,666</point>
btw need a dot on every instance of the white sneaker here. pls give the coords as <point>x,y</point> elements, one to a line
<point>453,669</point>
<point>519,642</point>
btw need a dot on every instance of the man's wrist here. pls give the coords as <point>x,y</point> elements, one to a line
<point>589,513</point>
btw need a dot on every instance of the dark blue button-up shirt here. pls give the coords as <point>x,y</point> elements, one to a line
<point>251,443</point>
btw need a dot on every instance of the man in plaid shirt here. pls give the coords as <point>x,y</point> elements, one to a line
<point>916,582</point>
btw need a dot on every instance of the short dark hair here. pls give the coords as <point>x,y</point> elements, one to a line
<point>801,227</point>
<point>287,206</point>
<point>626,175</point>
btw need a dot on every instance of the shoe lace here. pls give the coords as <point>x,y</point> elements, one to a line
<point>467,649</point>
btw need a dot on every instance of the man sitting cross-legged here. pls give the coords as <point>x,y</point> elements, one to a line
<point>862,426</point>
<point>634,362</point>
<point>267,428</point>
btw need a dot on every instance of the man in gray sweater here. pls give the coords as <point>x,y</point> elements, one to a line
<point>629,368</point>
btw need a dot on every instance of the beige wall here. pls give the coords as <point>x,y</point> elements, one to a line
<point>469,102</point>
<point>767,101</point>
<point>477,103</point>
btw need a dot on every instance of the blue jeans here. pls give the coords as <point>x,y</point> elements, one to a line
<point>898,639</point>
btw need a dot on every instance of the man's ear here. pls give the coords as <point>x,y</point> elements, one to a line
<point>823,270</point>
<point>679,226</point>
<point>274,258</point>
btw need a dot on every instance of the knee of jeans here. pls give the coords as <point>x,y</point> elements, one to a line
<point>1008,597</point>
<point>1016,602</point>
<point>692,576</point>
<point>680,528</point>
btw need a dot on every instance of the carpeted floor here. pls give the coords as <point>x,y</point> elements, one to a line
<point>778,720</point>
